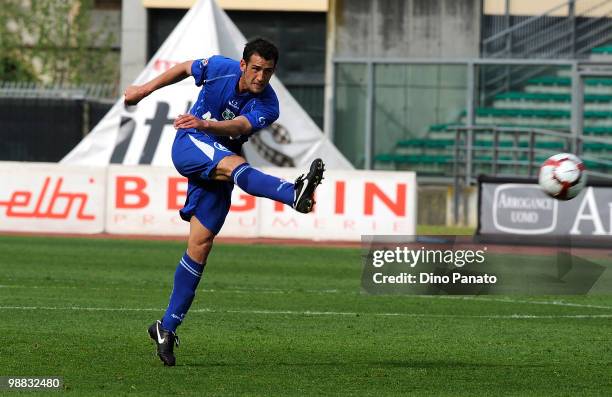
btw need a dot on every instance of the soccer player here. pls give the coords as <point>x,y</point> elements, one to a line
<point>235,101</point>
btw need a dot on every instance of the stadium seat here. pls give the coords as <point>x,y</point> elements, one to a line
<point>602,50</point>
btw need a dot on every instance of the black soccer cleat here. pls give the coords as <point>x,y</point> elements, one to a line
<point>305,186</point>
<point>164,341</point>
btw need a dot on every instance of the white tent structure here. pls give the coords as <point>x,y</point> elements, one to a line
<point>143,134</point>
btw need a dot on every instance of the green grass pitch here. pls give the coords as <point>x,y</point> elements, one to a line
<point>281,321</point>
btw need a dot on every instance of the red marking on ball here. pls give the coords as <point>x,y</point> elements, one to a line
<point>554,163</point>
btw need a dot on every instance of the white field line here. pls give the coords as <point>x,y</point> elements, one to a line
<point>324,291</point>
<point>310,313</point>
<point>205,290</point>
<point>510,300</point>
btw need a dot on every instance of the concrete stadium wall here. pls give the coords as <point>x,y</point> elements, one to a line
<point>399,28</point>
<point>436,206</point>
<point>133,41</point>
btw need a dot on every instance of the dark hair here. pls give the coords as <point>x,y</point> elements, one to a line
<point>263,48</point>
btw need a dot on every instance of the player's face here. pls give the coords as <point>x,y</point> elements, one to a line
<point>256,73</point>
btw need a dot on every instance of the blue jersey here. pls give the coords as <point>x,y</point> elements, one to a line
<point>220,100</point>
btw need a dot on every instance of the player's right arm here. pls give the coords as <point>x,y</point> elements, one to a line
<point>135,93</point>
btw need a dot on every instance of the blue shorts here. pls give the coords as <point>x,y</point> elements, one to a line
<point>195,155</point>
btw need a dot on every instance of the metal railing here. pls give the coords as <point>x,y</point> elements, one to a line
<point>26,89</point>
<point>515,151</point>
<point>368,86</point>
<point>551,36</point>
<point>544,36</point>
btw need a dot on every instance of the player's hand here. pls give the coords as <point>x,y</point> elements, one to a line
<point>190,121</point>
<point>134,94</point>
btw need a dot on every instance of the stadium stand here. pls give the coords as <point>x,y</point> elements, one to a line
<point>544,102</point>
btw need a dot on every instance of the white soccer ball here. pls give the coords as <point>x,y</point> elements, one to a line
<point>562,176</point>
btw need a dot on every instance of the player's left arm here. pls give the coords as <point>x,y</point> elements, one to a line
<point>135,93</point>
<point>233,128</point>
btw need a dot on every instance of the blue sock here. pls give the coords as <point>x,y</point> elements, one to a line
<point>186,279</point>
<point>256,183</point>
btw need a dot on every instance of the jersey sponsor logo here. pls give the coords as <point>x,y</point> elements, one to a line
<point>221,147</point>
<point>234,103</point>
<point>208,116</point>
<point>228,114</point>
<point>17,205</point>
<point>261,121</point>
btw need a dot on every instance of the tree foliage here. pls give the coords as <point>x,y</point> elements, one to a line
<point>55,41</point>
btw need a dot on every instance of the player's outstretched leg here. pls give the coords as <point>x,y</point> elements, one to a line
<point>298,195</point>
